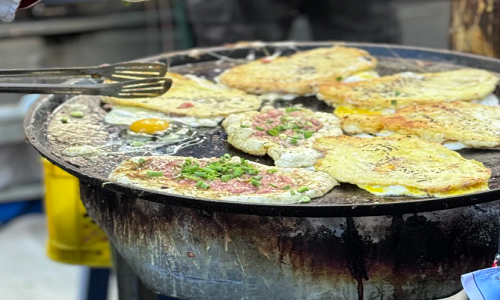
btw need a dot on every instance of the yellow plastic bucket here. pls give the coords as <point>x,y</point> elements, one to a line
<point>74,238</point>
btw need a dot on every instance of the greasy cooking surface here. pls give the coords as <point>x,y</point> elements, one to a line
<point>345,199</point>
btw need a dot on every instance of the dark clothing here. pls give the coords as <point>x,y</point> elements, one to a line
<point>216,22</point>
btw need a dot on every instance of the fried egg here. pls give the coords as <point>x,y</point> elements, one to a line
<point>343,110</point>
<point>400,165</point>
<point>126,115</point>
<point>399,190</point>
<point>155,132</point>
<point>300,73</point>
<point>405,89</point>
<point>450,145</point>
<point>489,100</point>
<point>456,125</point>
<point>361,76</point>
<point>194,97</point>
<point>156,136</point>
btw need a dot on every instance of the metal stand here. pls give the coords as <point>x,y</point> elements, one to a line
<point>95,282</point>
<point>130,287</point>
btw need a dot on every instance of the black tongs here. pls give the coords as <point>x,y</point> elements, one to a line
<point>131,80</point>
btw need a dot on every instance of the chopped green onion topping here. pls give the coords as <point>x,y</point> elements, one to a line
<point>339,78</point>
<point>258,177</point>
<point>309,123</point>
<point>282,136</point>
<point>292,192</point>
<point>293,141</point>
<point>397,93</point>
<point>208,170</point>
<point>141,160</point>
<point>304,199</point>
<point>76,114</point>
<point>271,171</point>
<point>281,127</point>
<point>308,134</point>
<point>191,177</point>
<point>291,109</point>
<point>259,128</point>
<point>394,102</point>
<point>224,169</point>
<point>303,189</point>
<point>154,173</point>
<point>287,187</point>
<point>237,172</point>
<point>244,126</point>
<point>200,174</point>
<point>225,178</point>
<point>273,185</point>
<point>255,182</point>
<point>202,184</point>
<point>64,120</point>
<point>190,169</point>
<point>136,144</point>
<point>273,132</point>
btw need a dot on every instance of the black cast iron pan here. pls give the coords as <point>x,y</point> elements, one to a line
<point>346,200</point>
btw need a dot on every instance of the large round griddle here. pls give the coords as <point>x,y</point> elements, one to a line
<point>346,200</point>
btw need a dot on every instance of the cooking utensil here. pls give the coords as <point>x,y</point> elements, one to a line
<point>348,244</point>
<point>116,72</point>
<point>151,87</point>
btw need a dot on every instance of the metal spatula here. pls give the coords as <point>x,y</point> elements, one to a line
<point>151,87</point>
<point>117,72</point>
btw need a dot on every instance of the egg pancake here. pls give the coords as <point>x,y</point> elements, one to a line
<point>227,178</point>
<point>300,73</point>
<point>192,96</point>
<point>285,134</point>
<point>401,90</point>
<point>400,165</point>
<point>473,125</point>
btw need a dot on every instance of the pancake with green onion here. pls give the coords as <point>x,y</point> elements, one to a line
<point>285,134</point>
<point>226,178</point>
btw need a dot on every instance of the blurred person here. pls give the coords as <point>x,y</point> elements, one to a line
<point>216,22</point>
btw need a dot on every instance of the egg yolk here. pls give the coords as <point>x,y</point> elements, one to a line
<point>149,126</point>
<point>341,111</point>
